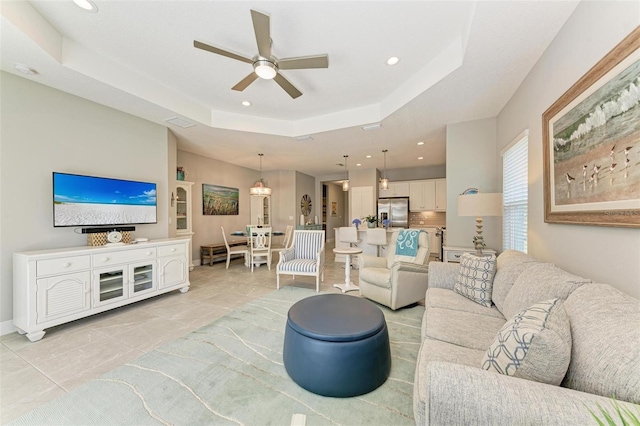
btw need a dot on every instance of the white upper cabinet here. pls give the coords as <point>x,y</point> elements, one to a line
<point>428,195</point>
<point>441,195</point>
<point>396,189</point>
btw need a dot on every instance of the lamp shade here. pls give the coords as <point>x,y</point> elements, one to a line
<point>480,204</point>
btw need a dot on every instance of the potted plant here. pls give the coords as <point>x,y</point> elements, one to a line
<point>371,220</point>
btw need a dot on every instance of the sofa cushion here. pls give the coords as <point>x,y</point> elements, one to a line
<point>435,350</point>
<point>605,357</point>
<point>377,276</point>
<point>461,328</point>
<point>475,278</point>
<point>533,345</point>
<point>538,282</point>
<point>447,299</point>
<point>509,266</point>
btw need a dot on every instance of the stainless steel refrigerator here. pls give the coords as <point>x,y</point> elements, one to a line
<point>394,209</point>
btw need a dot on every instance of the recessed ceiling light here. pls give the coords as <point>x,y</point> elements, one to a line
<point>246,103</point>
<point>358,164</point>
<point>368,156</point>
<point>87,5</point>
<point>393,60</point>
<point>420,143</point>
<point>25,69</point>
<point>420,158</point>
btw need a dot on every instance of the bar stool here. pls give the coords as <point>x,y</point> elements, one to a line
<point>349,234</point>
<point>377,237</point>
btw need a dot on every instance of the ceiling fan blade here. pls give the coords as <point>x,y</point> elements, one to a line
<point>245,82</point>
<point>302,62</point>
<point>261,27</point>
<point>287,86</point>
<point>219,51</point>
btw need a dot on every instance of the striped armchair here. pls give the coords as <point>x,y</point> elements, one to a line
<point>304,257</point>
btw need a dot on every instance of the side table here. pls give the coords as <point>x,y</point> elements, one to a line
<point>452,254</point>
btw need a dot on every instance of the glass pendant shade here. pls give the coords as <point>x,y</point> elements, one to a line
<point>345,182</point>
<point>260,188</point>
<point>384,182</point>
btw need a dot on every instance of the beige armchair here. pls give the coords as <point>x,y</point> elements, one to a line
<point>395,281</point>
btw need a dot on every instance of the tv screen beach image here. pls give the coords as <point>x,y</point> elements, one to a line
<point>87,200</point>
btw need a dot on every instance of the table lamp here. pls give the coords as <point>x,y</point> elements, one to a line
<point>479,205</point>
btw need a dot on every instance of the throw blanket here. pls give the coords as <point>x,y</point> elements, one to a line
<point>407,242</point>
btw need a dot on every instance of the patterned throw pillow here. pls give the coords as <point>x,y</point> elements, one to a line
<point>533,345</point>
<point>475,279</point>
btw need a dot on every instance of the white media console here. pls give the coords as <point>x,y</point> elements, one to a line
<point>52,287</point>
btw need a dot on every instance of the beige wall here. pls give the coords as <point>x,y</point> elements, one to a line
<point>45,130</point>
<point>201,170</point>
<point>335,193</point>
<point>604,254</point>
<point>305,184</point>
<point>471,163</point>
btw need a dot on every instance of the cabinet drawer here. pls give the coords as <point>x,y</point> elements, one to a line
<point>171,250</point>
<point>62,265</point>
<point>454,256</point>
<point>128,256</point>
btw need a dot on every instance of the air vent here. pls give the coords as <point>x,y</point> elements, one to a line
<point>304,138</point>
<point>180,122</point>
<point>374,126</point>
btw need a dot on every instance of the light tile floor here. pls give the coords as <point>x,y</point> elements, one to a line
<point>70,355</point>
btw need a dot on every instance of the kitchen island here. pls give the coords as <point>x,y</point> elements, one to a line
<point>372,250</point>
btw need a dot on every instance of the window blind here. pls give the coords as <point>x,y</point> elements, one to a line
<point>515,196</point>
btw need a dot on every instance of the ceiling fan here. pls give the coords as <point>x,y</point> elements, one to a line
<point>264,64</point>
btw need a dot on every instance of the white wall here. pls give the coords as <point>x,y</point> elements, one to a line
<point>610,255</point>
<point>471,163</point>
<point>45,130</point>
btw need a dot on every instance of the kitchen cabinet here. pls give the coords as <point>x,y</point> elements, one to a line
<point>396,189</point>
<point>441,195</point>
<point>428,195</point>
<point>422,195</point>
<point>52,287</point>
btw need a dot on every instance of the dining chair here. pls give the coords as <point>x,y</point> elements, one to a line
<point>260,245</point>
<point>286,242</point>
<point>244,250</point>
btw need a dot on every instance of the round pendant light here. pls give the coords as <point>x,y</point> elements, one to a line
<point>260,188</point>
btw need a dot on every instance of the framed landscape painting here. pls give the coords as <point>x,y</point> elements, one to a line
<point>591,140</point>
<point>219,200</point>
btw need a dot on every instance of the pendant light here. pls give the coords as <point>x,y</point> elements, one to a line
<point>384,182</point>
<point>345,182</point>
<point>260,188</point>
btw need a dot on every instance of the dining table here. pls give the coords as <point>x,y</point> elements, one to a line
<point>256,263</point>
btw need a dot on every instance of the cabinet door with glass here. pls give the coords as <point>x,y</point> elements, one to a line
<point>183,207</point>
<point>141,278</point>
<point>260,210</point>
<point>110,285</point>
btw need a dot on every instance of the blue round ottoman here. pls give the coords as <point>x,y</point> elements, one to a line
<point>336,345</point>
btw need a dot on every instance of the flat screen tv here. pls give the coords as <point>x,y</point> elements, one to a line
<point>95,201</point>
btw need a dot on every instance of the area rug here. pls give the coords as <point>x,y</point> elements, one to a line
<point>230,372</point>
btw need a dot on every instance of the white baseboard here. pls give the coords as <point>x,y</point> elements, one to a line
<point>6,327</point>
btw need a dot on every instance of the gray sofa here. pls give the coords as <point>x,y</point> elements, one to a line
<point>450,386</point>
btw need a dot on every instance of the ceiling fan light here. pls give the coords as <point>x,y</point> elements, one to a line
<point>265,69</point>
